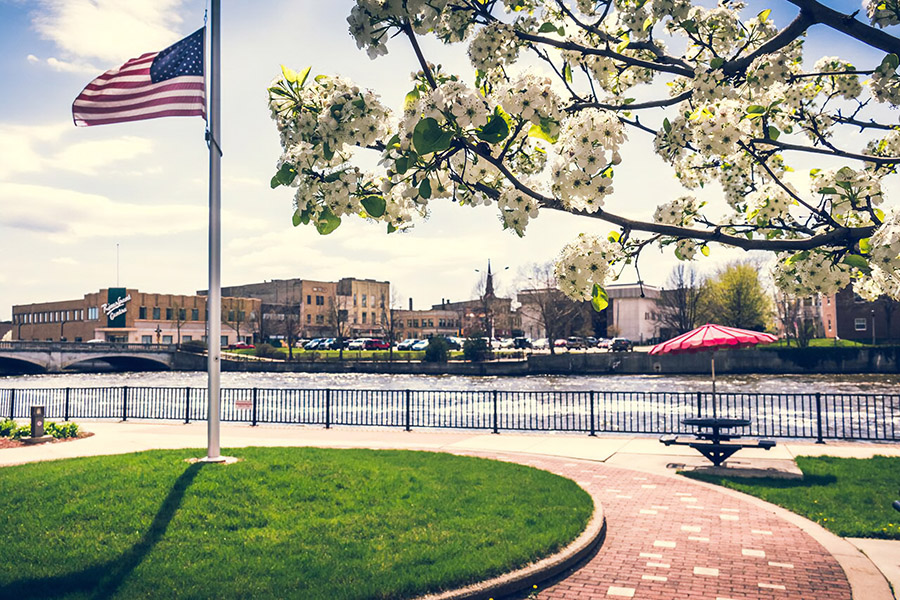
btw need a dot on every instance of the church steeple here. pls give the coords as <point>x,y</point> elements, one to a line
<point>489,283</point>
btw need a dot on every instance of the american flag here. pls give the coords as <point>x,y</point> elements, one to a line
<point>169,83</point>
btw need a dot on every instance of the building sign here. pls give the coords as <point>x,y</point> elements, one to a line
<point>115,308</point>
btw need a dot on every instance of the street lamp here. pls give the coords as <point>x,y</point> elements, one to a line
<point>158,333</point>
<point>873,326</point>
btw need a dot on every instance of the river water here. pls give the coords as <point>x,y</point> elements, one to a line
<point>784,384</point>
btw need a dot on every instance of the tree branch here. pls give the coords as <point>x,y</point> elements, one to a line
<point>846,24</point>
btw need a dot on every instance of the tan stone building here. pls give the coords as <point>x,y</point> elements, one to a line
<point>131,316</point>
<point>423,324</point>
<point>303,308</point>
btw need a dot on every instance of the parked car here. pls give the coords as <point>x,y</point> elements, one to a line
<point>560,343</point>
<point>620,345</point>
<point>521,343</point>
<point>373,344</point>
<point>419,345</point>
<point>313,344</point>
<point>357,344</point>
<point>575,343</point>
<point>241,346</point>
<point>603,343</point>
<point>590,341</point>
<point>407,344</point>
<point>540,344</point>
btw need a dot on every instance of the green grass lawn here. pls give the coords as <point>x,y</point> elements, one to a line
<point>282,523</point>
<point>850,497</point>
<point>818,343</point>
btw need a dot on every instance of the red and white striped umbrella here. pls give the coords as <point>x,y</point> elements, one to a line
<point>712,337</point>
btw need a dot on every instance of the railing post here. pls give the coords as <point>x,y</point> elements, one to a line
<point>819,439</point>
<point>593,430</point>
<point>124,402</point>
<point>327,409</point>
<point>408,393</point>
<point>187,405</point>
<point>66,406</point>
<point>12,403</point>
<point>254,408</point>
<point>495,413</point>
<point>699,404</point>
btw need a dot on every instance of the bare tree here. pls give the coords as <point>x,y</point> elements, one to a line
<point>679,302</point>
<point>545,304</point>
<point>290,326</point>
<point>235,317</point>
<point>339,318</point>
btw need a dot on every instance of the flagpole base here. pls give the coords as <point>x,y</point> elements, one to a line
<point>219,460</point>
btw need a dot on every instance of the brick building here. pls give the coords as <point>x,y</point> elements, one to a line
<point>868,322</point>
<point>131,316</point>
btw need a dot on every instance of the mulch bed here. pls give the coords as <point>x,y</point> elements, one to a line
<point>11,443</point>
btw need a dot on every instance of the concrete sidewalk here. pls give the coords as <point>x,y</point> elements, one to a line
<point>636,454</point>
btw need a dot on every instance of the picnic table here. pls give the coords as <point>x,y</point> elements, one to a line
<point>715,439</point>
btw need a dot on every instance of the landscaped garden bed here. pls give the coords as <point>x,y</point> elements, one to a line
<point>283,522</point>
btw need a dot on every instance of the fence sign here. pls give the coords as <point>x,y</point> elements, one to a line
<point>243,404</point>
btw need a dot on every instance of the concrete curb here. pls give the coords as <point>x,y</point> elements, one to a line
<point>867,582</point>
<point>535,573</point>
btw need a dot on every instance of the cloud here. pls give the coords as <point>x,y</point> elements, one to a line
<point>67,216</point>
<point>62,66</point>
<point>108,30</point>
<point>36,148</point>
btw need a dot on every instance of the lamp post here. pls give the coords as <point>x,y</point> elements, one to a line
<point>158,333</point>
<point>873,326</point>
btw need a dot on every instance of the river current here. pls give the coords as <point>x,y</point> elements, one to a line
<point>785,384</point>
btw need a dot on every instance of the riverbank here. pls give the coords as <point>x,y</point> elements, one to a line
<point>778,361</point>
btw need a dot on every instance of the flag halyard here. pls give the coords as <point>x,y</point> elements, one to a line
<point>169,83</point>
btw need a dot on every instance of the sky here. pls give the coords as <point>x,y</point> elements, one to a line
<point>127,205</point>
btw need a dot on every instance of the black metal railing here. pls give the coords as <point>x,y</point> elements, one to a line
<point>817,416</point>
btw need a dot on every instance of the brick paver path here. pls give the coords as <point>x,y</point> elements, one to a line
<point>671,539</point>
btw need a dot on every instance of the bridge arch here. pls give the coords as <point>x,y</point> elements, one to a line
<point>20,365</point>
<point>121,362</point>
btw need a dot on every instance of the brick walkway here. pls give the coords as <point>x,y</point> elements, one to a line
<point>669,538</point>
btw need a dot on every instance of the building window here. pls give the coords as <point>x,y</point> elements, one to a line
<point>364,300</point>
<point>187,338</point>
<point>93,313</point>
<point>223,340</point>
<point>146,339</point>
<point>195,314</point>
<point>156,312</point>
<point>859,324</point>
<point>320,300</point>
<point>354,299</point>
<point>308,317</point>
<point>168,314</point>
<point>167,339</point>
<point>364,315</point>
<point>829,324</point>
<point>320,319</point>
<point>142,312</point>
<point>309,298</point>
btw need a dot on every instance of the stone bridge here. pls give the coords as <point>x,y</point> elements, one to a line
<point>58,357</point>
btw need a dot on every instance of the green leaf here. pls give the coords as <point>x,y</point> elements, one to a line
<point>327,152</point>
<point>495,131</point>
<point>284,176</point>
<point>689,25</point>
<point>704,249</point>
<point>623,44</point>
<point>296,218</point>
<point>402,165</point>
<point>892,61</point>
<point>599,298</point>
<point>865,245</point>
<point>359,103</point>
<point>756,109</point>
<point>827,190</point>
<point>425,189</point>
<point>773,132</point>
<point>411,98</point>
<point>327,222</point>
<point>290,75</point>
<point>391,228</point>
<point>547,28</point>
<point>428,137</point>
<point>567,72</point>
<point>548,130</point>
<point>648,23</point>
<point>716,63</point>
<point>561,31</point>
<point>667,126</point>
<point>879,213</point>
<point>614,236</point>
<point>302,78</point>
<point>374,205</point>
<point>857,261</point>
<point>764,15</point>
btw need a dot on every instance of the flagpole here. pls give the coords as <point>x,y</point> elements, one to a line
<point>214,319</point>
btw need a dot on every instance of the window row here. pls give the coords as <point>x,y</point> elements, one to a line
<point>54,316</point>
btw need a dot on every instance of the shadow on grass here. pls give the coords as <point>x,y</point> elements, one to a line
<point>103,580</point>
<point>768,482</point>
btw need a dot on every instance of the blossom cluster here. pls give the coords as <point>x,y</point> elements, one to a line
<point>810,272</point>
<point>680,211</point>
<point>851,194</point>
<point>589,145</point>
<point>769,202</point>
<point>883,13</point>
<point>585,262</point>
<point>493,46</point>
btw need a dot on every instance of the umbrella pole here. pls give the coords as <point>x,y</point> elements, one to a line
<point>712,363</point>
